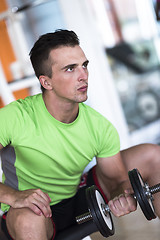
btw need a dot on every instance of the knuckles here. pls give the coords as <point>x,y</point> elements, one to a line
<point>122,205</point>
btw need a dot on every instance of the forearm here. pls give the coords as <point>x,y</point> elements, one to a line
<point>121,188</point>
<point>118,192</point>
<point>113,187</point>
<point>7,194</point>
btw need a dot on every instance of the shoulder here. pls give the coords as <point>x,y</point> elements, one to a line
<point>92,114</point>
<point>89,110</point>
<point>104,132</point>
<point>97,121</point>
<point>19,108</point>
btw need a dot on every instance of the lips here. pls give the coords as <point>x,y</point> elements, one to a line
<point>83,88</point>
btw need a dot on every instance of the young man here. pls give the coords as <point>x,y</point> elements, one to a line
<point>48,139</point>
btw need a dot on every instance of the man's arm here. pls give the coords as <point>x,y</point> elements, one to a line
<point>113,179</point>
<point>34,199</point>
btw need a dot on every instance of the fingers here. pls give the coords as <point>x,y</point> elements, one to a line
<point>39,202</point>
<point>122,205</point>
<point>36,200</point>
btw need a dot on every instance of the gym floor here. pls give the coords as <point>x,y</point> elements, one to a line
<point>133,227</point>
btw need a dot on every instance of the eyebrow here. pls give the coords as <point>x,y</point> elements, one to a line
<point>74,65</point>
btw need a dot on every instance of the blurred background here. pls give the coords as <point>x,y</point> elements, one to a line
<point>121,39</point>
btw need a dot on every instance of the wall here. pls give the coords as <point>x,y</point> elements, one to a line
<point>7,54</point>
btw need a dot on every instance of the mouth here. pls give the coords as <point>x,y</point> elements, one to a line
<point>83,88</point>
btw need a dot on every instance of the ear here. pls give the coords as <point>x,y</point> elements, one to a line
<point>45,82</point>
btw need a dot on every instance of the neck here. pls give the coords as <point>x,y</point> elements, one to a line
<point>62,111</point>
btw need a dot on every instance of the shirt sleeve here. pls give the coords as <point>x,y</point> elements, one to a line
<point>9,120</point>
<point>110,142</point>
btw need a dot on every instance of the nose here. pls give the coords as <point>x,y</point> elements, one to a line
<point>83,74</point>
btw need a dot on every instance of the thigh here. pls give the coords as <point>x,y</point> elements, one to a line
<point>144,157</point>
<point>63,214</point>
<point>24,221</point>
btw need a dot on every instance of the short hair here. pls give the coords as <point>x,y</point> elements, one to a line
<point>39,54</point>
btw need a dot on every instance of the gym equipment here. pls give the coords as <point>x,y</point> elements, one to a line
<point>143,193</point>
<point>9,12</point>
<point>99,211</point>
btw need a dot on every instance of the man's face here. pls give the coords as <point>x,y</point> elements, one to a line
<point>69,79</point>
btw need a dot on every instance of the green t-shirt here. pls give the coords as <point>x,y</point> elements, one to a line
<point>49,154</point>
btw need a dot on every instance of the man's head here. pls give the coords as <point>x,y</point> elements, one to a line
<point>40,53</point>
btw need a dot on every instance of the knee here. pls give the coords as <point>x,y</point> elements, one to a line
<point>151,166</point>
<point>145,157</point>
<point>23,223</point>
<point>153,152</point>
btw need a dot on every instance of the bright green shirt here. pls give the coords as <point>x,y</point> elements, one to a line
<point>49,154</point>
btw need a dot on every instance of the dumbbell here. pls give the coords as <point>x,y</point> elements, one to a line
<point>99,211</point>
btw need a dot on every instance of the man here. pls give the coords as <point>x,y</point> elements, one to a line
<point>50,138</point>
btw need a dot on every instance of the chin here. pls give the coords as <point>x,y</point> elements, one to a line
<point>83,99</point>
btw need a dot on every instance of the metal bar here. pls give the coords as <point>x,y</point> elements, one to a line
<point>155,189</point>
<point>16,9</point>
<point>84,218</point>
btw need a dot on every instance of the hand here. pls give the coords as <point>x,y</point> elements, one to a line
<point>35,199</point>
<point>123,204</point>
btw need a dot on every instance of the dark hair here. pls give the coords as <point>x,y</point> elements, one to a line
<point>39,54</point>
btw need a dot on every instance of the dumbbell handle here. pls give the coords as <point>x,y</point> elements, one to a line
<point>84,218</point>
<point>155,189</point>
<point>88,216</point>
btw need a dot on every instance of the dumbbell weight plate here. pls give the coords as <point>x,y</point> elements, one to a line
<point>139,188</point>
<point>148,200</point>
<point>102,219</point>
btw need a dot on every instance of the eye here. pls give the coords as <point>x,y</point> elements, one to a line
<point>70,69</point>
<point>85,64</point>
